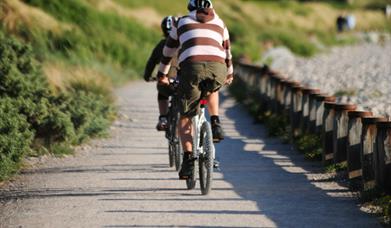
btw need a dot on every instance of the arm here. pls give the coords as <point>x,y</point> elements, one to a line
<point>153,60</point>
<point>228,59</point>
<point>169,51</point>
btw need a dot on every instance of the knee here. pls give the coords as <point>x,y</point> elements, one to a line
<point>161,97</point>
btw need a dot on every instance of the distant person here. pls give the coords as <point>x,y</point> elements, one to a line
<point>341,22</point>
<point>350,22</point>
<point>388,11</point>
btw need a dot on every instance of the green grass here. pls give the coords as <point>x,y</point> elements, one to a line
<point>310,145</point>
<point>333,168</point>
<point>97,38</point>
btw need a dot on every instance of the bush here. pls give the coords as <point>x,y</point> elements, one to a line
<point>31,112</point>
<point>23,82</point>
<point>15,137</point>
<point>90,114</point>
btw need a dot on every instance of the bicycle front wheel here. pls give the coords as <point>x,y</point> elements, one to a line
<point>178,147</point>
<point>171,154</point>
<point>206,159</point>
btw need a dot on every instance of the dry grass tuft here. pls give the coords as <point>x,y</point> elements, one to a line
<point>62,77</point>
<point>14,14</point>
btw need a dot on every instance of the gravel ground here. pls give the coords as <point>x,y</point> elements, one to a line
<point>360,73</point>
<point>124,181</point>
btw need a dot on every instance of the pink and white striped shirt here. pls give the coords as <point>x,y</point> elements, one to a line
<point>199,36</point>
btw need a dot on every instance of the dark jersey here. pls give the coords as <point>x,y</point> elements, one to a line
<point>154,60</point>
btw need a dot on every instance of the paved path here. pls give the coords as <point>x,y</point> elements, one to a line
<point>124,181</point>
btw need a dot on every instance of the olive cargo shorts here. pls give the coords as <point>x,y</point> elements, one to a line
<point>190,76</point>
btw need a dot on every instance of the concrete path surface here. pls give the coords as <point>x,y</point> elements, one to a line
<point>125,181</point>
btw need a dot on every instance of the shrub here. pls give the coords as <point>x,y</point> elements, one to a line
<point>15,137</point>
<point>71,116</point>
<point>90,114</point>
<point>23,82</point>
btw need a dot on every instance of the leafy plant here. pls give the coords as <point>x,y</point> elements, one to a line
<point>15,137</point>
<point>32,117</point>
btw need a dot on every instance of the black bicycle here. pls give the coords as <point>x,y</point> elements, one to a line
<point>175,151</point>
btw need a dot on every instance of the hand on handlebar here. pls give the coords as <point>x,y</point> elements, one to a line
<point>163,81</point>
<point>229,79</point>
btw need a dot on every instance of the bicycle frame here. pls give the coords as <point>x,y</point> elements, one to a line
<point>197,122</point>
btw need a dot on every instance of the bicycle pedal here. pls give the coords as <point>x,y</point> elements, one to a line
<point>184,177</point>
<point>216,140</point>
<point>216,165</point>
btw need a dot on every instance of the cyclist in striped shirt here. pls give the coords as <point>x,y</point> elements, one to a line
<point>164,92</point>
<point>204,54</point>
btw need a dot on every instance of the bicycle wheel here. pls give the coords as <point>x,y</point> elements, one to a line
<point>171,154</point>
<point>178,147</point>
<point>206,159</point>
<point>178,155</point>
<point>191,182</point>
<point>171,135</point>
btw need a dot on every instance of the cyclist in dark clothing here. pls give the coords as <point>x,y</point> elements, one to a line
<point>153,60</point>
<point>163,91</point>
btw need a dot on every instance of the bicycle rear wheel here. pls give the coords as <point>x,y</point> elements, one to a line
<point>191,182</point>
<point>206,159</point>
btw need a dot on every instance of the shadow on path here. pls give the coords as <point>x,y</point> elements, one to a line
<point>275,176</point>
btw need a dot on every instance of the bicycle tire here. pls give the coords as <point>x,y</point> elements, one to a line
<point>192,181</point>
<point>178,155</point>
<point>171,135</point>
<point>206,159</point>
<point>171,155</point>
<point>178,147</point>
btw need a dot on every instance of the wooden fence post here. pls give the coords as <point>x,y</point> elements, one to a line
<point>368,160</point>
<point>383,176</point>
<point>340,132</point>
<point>288,94</point>
<point>305,107</point>
<point>320,100</point>
<point>312,113</point>
<point>354,148</point>
<point>327,135</point>
<point>280,87</point>
<point>295,113</point>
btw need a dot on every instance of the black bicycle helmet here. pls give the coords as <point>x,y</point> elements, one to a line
<point>199,4</point>
<point>167,24</point>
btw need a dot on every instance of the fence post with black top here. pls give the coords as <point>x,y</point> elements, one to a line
<point>295,112</point>
<point>327,133</point>
<point>320,100</point>
<point>383,139</point>
<point>340,133</point>
<point>368,159</point>
<point>306,108</point>
<point>354,148</point>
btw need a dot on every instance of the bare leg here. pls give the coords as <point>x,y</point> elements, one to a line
<point>163,107</point>
<point>213,104</point>
<point>185,132</point>
<point>213,109</point>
